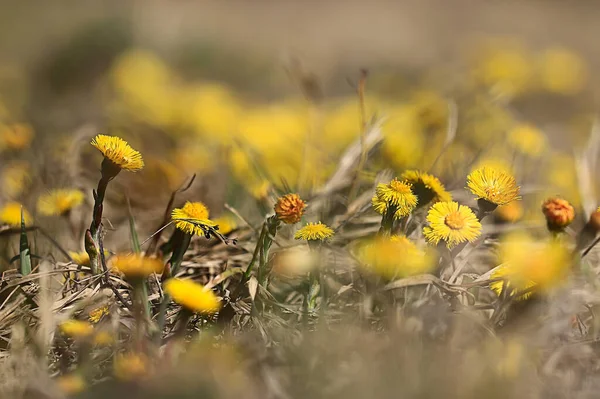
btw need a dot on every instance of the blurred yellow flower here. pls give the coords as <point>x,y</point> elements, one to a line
<point>76,328</point>
<point>103,338</point>
<point>191,218</point>
<point>130,366</point>
<point>341,125</point>
<point>192,296</point>
<point>213,111</point>
<point>15,137</point>
<point>403,137</point>
<point>314,232</point>
<point>452,223</point>
<point>395,257</point>
<point>260,190</point>
<point>493,185</point>
<point>562,71</point>
<point>426,187</point>
<point>511,212</point>
<point>527,139</point>
<point>81,258</point>
<point>396,194</point>
<point>97,314</point>
<point>59,201</point>
<point>71,384</point>
<point>289,208</point>
<point>528,262</point>
<point>226,224</point>
<point>293,262</point>
<point>10,214</point>
<point>118,152</point>
<point>16,176</point>
<point>135,265</point>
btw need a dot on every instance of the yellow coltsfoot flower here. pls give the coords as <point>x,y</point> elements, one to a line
<point>59,202</point>
<point>426,187</point>
<point>192,296</point>
<point>10,214</point>
<point>451,223</point>
<point>193,219</point>
<point>289,208</point>
<point>314,232</point>
<point>396,194</point>
<point>136,266</point>
<point>118,152</point>
<point>494,186</point>
<point>76,328</point>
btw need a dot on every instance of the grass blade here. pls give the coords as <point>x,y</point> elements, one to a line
<point>24,253</point>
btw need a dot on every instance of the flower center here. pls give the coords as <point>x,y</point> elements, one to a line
<point>491,192</point>
<point>455,221</point>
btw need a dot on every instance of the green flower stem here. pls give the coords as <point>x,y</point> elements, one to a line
<point>387,220</point>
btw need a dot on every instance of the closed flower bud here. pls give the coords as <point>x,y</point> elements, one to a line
<point>559,213</point>
<point>290,208</point>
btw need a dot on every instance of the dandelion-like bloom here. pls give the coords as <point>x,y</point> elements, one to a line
<point>452,223</point>
<point>15,178</point>
<point>395,257</point>
<point>527,139</point>
<point>314,232</point>
<point>192,296</point>
<point>15,137</point>
<point>528,262</point>
<point>497,187</point>
<point>290,208</point>
<point>59,202</point>
<point>426,187</point>
<point>76,328</point>
<point>10,214</point>
<point>396,194</point>
<point>559,213</point>
<point>136,266</point>
<point>81,258</point>
<point>71,384</point>
<point>192,218</point>
<point>130,366</point>
<point>97,314</point>
<point>501,274</point>
<point>118,152</point>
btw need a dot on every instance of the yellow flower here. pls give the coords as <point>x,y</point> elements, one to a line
<point>314,232</point>
<point>71,384</point>
<point>10,214</point>
<point>15,178</point>
<point>192,296</point>
<point>59,202</point>
<point>290,208</point>
<point>103,338</point>
<point>426,187</point>
<point>81,258</point>
<point>96,315</point>
<point>396,194</point>
<point>76,328</point>
<point>130,366</point>
<point>117,151</point>
<point>501,273</point>
<point>511,212</point>
<point>15,137</point>
<point>528,262</point>
<point>226,224</point>
<point>135,265</point>
<point>527,139</point>
<point>293,262</point>
<point>213,111</point>
<point>395,257</point>
<point>493,185</point>
<point>452,223</point>
<point>192,218</point>
<point>562,71</point>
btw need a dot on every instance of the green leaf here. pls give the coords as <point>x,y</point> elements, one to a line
<point>135,241</point>
<point>24,253</point>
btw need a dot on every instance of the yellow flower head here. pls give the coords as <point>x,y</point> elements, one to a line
<point>226,224</point>
<point>395,257</point>
<point>452,223</point>
<point>511,212</point>
<point>81,258</point>
<point>528,262</point>
<point>59,202</point>
<point>10,214</point>
<point>97,314</point>
<point>493,185</point>
<point>103,338</point>
<point>426,187</point>
<point>15,178</point>
<point>563,71</point>
<point>76,328</point>
<point>117,151</point>
<point>15,137</point>
<point>527,139</point>
<point>71,384</point>
<point>192,296</point>
<point>396,194</point>
<point>192,218</point>
<point>314,232</point>
<point>135,265</point>
<point>130,366</point>
<point>290,208</point>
